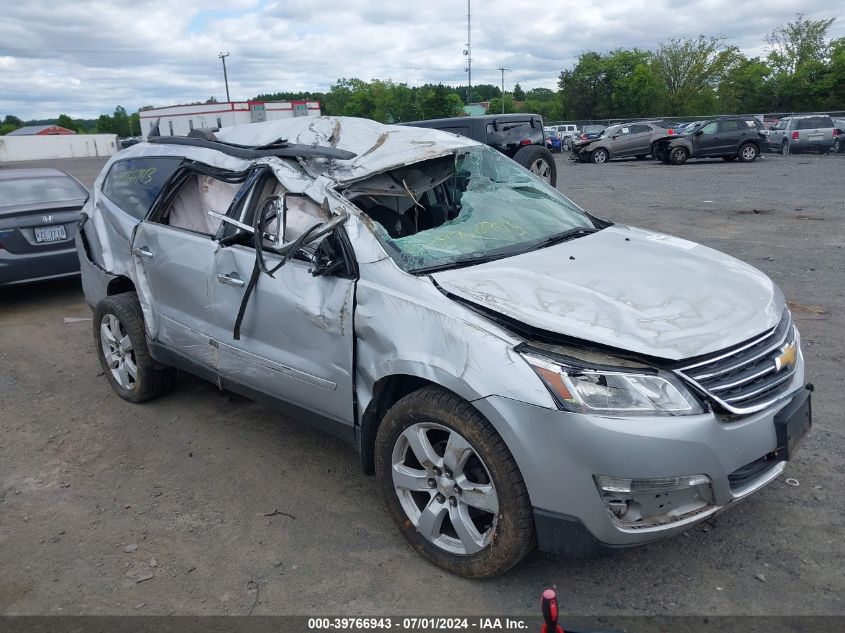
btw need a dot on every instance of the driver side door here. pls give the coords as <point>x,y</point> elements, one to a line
<point>296,335</point>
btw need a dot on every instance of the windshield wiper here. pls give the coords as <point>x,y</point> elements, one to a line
<point>470,261</point>
<point>569,234</point>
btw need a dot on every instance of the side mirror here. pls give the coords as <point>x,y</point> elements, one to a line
<point>699,132</point>
<point>327,261</point>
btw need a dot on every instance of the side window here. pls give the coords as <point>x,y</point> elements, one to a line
<point>710,128</point>
<point>462,131</point>
<point>731,125</point>
<point>302,211</point>
<point>187,207</point>
<point>135,183</point>
<point>640,129</point>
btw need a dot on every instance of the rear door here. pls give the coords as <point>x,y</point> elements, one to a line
<point>732,132</point>
<point>173,252</point>
<point>640,142</point>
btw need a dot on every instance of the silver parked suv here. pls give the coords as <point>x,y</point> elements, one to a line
<point>807,133</point>
<point>513,369</point>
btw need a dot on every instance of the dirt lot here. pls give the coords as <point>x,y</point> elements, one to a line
<point>204,503</point>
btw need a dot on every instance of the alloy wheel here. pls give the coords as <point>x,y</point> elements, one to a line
<point>541,168</point>
<point>445,488</point>
<point>749,153</point>
<point>118,351</point>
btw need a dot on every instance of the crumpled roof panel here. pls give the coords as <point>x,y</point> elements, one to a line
<point>378,147</point>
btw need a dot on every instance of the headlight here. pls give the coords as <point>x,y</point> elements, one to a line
<point>612,391</point>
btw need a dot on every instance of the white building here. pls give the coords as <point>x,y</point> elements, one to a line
<point>181,119</point>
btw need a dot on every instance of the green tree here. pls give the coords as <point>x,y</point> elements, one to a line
<point>800,56</point>
<point>518,93</point>
<point>496,104</point>
<point>10,124</point>
<point>584,88</point>
<point>746,88</point>
<point>121,122</point>
<point>105,124</point>
<point>691,69</point>
<point>797,43</point>
<point>540,94</point>
<point>66,122</point>
<point>480,92</point>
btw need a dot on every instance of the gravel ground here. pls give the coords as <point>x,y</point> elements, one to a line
<point>204,503</point>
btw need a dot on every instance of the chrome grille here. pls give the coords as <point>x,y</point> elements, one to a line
<point>747,378</point>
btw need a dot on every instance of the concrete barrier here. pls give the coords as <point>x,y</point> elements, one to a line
<point>15,148</point>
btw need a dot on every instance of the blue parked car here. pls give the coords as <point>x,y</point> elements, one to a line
<point>553,141</point>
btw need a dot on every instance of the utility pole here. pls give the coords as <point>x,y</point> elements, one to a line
<point>468,53</point>
<point>223,57</point>
<point>502,69</point>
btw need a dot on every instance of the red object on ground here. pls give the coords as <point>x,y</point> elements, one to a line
<point>548,604</point>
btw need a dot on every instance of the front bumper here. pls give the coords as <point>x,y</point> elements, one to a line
<point>559,453</point>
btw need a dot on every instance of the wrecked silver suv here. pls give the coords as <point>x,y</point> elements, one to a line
<point>512,369</point>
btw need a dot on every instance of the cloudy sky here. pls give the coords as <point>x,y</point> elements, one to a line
<point>83,57</point>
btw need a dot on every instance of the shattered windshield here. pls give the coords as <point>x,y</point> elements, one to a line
<point>466,208</point>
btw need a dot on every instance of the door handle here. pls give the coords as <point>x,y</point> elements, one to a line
<point>143,252</point>
<point>232,279</point>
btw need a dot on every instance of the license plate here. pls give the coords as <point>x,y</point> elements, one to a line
<point>792,424</point>
<point>50,233</point>
<point>816,137</point>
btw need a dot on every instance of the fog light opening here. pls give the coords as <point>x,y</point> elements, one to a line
<point>639,503</point>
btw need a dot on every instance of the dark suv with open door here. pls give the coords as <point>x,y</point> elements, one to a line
<point>729,138</point>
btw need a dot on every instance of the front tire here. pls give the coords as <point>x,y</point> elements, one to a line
<point>121,345</point>
<point>539,161</point>
<point>599,156</point>
<point>451,485</point>
<point>678,156</point>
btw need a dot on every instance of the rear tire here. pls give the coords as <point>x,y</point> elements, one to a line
<point>784,148</point>
<point>121,344</point>
<point>539,161</point>
<point>498,530</point>
<point>678,155</point>
<point>748,153</point>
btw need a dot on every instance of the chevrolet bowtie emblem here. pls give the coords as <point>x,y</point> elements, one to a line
<point>787,356</point>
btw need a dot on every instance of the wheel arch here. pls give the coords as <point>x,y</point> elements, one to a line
<point>391,388</point>
<point>119,285</point>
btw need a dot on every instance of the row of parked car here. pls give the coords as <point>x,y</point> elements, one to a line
<point>729,137</point>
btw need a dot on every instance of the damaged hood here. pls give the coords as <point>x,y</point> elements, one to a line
<point>377,147</point>
<point>631,289</point>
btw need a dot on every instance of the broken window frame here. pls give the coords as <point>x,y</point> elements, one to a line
<point>359,189</point>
